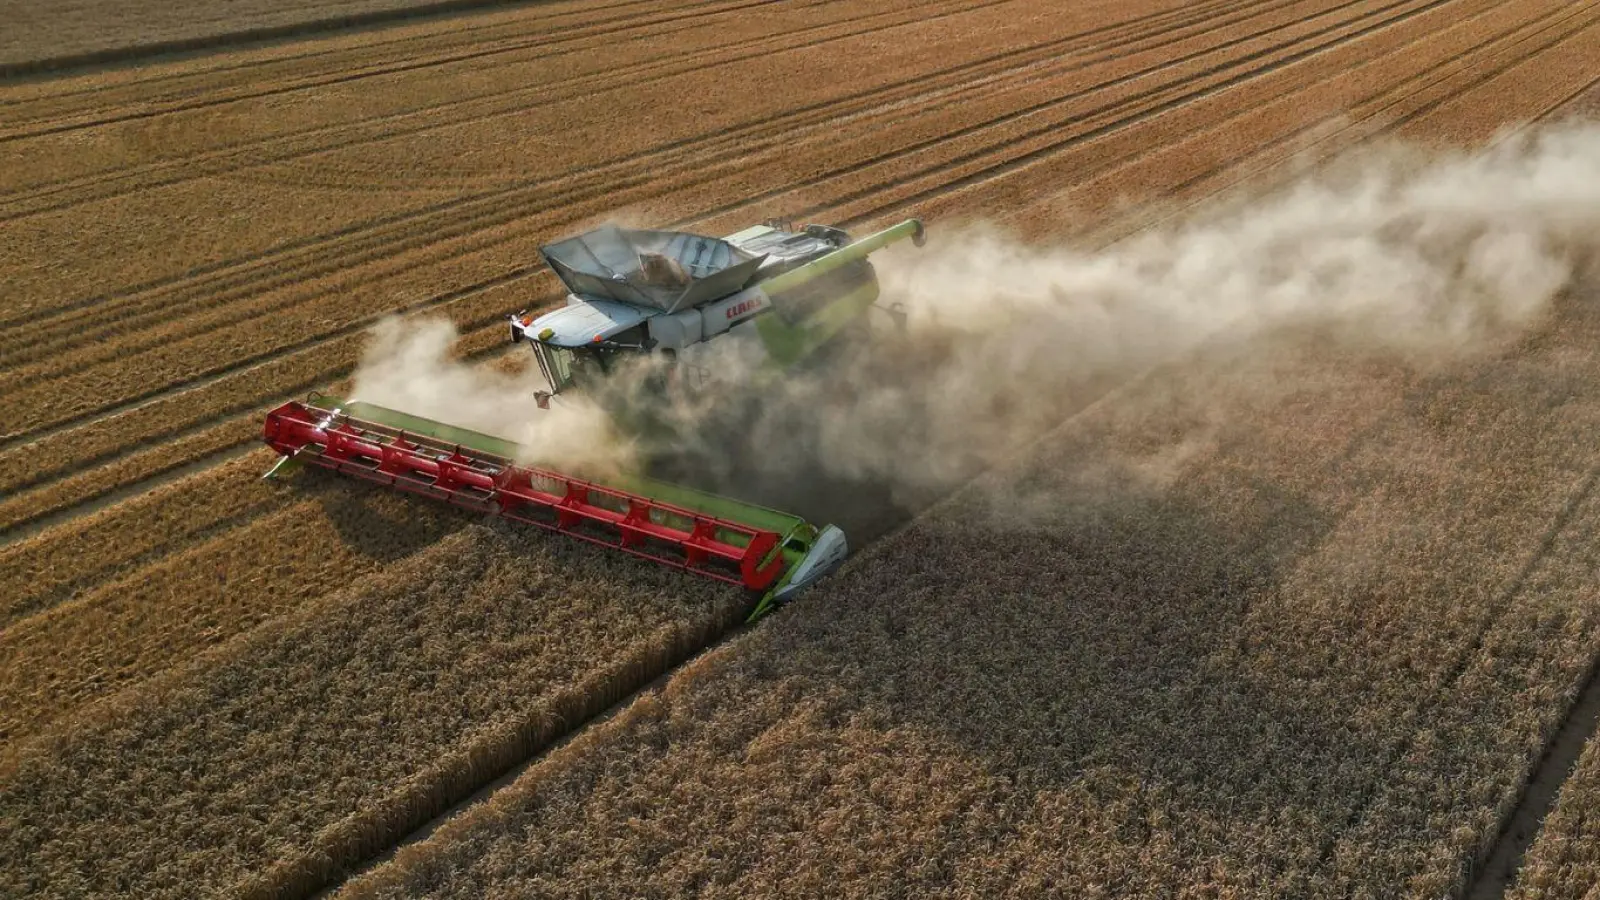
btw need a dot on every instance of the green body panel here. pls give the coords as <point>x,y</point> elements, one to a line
<point>713,505</point>
<point>788,344</point>
<point>441,431</point>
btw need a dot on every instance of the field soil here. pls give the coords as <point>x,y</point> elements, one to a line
<point>1256,670</point>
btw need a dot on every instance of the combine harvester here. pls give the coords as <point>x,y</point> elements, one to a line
<point>634,295</point>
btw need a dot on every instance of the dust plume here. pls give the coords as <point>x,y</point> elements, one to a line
<point>408,365</point>
<point>1417,258</point>
<point>1398,253</point>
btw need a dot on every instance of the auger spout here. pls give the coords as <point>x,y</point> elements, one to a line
<point>849,253</point>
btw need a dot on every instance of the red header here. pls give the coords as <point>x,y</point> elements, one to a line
<point>484,482</point>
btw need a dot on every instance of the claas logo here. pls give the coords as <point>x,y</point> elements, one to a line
<point>743,306</point>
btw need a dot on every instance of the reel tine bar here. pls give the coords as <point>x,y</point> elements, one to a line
<point>480,481</point>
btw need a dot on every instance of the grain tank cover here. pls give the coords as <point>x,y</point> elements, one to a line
<point>664,270</point>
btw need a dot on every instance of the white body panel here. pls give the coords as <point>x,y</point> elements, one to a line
<point>678,330</point>
<point>581,321</point>
<point>730,311</point>
<point>692,326</point>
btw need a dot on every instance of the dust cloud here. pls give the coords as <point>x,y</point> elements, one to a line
<point>409,365</point>
<point>1422,259</point>
<point>1414,256</point>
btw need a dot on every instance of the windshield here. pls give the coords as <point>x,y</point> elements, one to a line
<point>556,362</point>
<point>566,367</point>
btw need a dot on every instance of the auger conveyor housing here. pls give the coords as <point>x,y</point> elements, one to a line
<point>770,553</point>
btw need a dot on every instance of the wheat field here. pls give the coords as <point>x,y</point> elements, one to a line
<point>1275,618</point>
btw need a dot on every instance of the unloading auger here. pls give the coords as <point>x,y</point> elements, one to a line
<point>630,292</point>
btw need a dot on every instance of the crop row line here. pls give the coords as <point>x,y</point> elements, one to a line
<point>468,29</point>
<point>1020,161</point>
<point>54,196</point>
<point>232,317</point>
<point>388,68</point>
<point>246,365</point>
<point>773,128</point>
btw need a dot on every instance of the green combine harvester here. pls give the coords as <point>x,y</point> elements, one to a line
<point>634,295</point>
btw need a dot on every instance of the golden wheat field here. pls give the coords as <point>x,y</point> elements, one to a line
<point>1268,572</point>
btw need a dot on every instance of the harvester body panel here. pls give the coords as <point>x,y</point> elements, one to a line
<point>580,324</point>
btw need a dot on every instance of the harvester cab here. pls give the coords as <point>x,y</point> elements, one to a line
<point>634,292</point>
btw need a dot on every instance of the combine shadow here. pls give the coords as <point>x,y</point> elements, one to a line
<point>377,522</point>
<point>1091,636</point>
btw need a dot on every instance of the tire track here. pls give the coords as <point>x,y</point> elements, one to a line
<point>388,68</point>
<point>1020,161</point>
<point>1377,115</point>
<point>1555,766</point>
<point>275,149</point>
<point>1332,28</point>
<point>1451,683</point>
<point>69,479</point>
<point>1142,106</point>
<point>600,184</point>
<point>813,114</point>
<point>175,453</point>
<point>245,366</point>
<point>1372,116</point>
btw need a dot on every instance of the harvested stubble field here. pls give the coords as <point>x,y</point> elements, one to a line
<point>191,241</point>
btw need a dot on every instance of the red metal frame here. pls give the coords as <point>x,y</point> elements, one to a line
<point>492,484</point>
